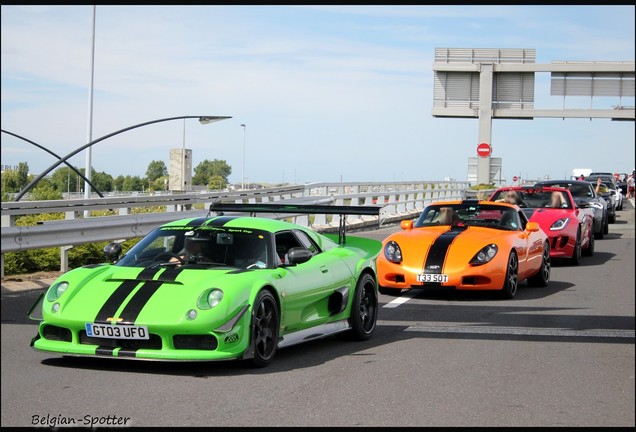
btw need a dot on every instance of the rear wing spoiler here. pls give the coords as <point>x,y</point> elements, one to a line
<point>341,210</point>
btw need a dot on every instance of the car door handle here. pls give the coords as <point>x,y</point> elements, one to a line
<point>324,269</point>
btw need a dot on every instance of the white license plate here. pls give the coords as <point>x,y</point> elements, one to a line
<point>117,331</point>
<point>426,277</point>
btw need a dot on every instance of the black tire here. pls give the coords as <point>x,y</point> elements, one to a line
<point>589,250</point>
<point>575,259</point>
<point>542,278</point>
<point>264,329</point>
<point>601,233</point>
<point>364,310</point>
<point>389,291</point>
<point>606,225</point>
<point>511,283</point>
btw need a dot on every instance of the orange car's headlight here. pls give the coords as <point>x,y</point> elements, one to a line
<point>392,252</point>
<point>484,255</point>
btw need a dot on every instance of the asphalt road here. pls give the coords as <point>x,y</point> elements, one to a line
<point>556,356</point>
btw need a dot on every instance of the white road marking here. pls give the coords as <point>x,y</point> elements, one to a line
<point>603,333</point>
<point>403,298</point>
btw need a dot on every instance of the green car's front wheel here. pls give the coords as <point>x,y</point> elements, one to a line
<point>364,311</point>
<point>265,324</point>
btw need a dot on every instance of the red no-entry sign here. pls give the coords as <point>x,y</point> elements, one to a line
<point>483,150</point>
<point>515,178</point>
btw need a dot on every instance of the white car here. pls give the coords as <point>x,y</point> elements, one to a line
<point>619,198</point>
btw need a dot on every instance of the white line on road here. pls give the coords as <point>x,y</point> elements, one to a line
<point>402,299</point>
<point>603,333</point>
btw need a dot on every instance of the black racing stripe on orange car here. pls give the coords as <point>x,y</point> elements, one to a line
<point>138,301</point>
<point>222,220</point>
<point>439,250</point>
<point>103,350</point>
<point>118,296</point>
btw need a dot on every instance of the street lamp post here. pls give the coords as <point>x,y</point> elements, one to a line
<point>243,166</point>
<point>202,119</point>
<point>87,191</point>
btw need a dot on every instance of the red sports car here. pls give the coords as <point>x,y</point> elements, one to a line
<point>569,227</point>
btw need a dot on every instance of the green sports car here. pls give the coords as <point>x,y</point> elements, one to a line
<point>227,286</point>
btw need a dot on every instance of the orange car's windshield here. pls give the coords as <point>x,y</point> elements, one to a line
<point>465,215</point>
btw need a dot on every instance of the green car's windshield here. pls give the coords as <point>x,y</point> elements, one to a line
<point>201,247</point>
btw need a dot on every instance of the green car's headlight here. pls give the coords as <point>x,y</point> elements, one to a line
<point>484,255</point>
<point>210,298</point>
<point>56,290</point>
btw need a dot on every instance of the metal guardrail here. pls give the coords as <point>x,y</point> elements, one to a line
<point>400,200</point>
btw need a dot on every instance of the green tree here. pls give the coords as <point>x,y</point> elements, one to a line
<point>10,181</point>
<point>65,179</point>
<point>159,184</point>
<point>45,190</point>
<point>23,175</point>
<point>155,170</point>
<point>206,170</point>
<point>217,183</point>
<point>102,181</point>
<point>118,183</point>
<point>134,183</point>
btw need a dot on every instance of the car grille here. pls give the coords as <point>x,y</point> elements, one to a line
<point>195,342</point>
<point>559,242</point>
<point>153,343</point>
<point>56,333</point>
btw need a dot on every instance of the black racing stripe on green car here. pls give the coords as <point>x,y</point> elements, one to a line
<point>439,249</point>
<point>197,222</point>
<point>139,300</point>
<point>127,353</point>
<point>148,273</point>
<point>141,297</point>
<point>222,220</point>
<point>102,350</point>
<point>118,296</point>
<point>115,300</point>
<point>170,274</point>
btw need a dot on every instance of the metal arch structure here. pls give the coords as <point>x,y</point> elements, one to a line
<point>58,157</point>
<point>202,120</point>
<point>499,83</point>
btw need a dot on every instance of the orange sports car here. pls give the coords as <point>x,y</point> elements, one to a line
<point>465,245</point>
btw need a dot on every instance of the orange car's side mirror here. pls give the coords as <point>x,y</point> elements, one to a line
<point>532,226</point>
<point>406,224</point>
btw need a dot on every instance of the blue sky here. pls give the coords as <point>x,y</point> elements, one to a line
<point>327,93</point>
